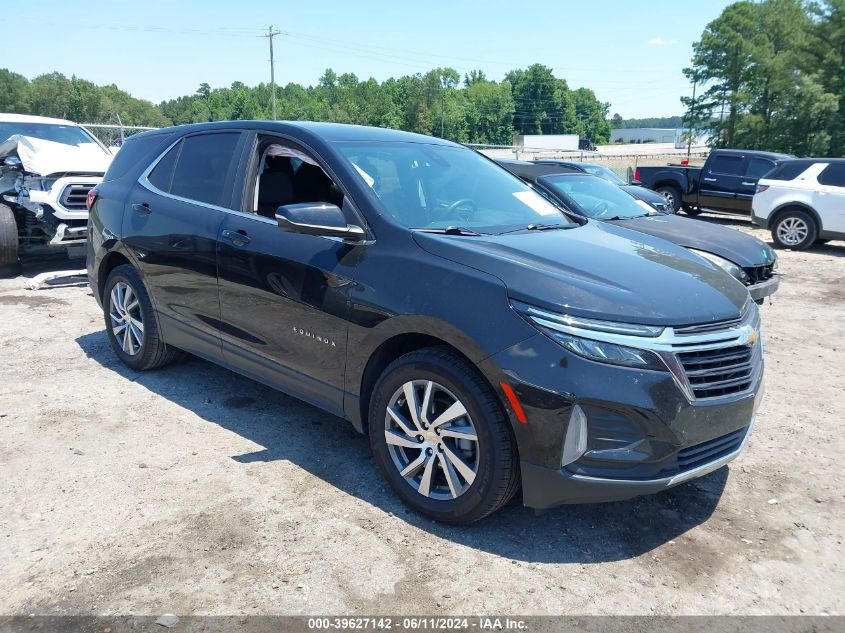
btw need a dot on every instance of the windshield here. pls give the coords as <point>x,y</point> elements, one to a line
<point>595,197</point>
<point>603,172</point>
<point>436,187</point>
<point>55,132</point>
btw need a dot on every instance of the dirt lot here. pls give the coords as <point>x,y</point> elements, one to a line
<point>193,490</point>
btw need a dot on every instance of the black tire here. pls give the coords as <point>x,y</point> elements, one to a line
<point>497,475</point>
<point>804,230</point>
<point>672,195</point>
<point>152,351</point>
<point>9,263</point>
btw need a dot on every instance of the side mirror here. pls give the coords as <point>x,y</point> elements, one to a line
<point>317,218</point>
<point>12,161</point>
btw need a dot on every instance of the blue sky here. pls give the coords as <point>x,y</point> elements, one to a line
<point>630,53</point>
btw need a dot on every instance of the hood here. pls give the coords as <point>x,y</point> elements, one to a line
<point>740,248</point>
<point>600,271</point>
<point>641,193</point>
<point>47,157</point>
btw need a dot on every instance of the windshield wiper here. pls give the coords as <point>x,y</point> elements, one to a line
<point>454,230</point>
<point>626,217</point>
<point>539,227</point>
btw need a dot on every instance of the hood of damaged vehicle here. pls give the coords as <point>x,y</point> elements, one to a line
<point>48,157</point>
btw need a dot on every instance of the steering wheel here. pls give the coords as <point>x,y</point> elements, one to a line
<point>463,209</point>
<point>600,208</point>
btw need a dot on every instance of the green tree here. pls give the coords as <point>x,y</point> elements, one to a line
<point>757,59</point>
<point>14,92</point>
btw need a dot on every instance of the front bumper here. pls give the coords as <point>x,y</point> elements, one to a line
<point>547,487</point>
<point>760,221</point>
<point>644,434</point>
<point>764,289</point>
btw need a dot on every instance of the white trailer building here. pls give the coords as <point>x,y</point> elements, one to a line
<point>546,142</point>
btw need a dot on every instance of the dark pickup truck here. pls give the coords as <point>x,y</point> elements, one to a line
<point>726,182</point>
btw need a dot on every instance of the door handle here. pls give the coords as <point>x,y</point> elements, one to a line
<point>749,184</point>
<point>710,179</point>
<point>142,208</point>
<point>238,238</point>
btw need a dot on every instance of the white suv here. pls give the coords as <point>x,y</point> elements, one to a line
<point>802,201</point>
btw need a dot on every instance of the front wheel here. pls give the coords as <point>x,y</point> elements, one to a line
<point>440,438</point>
<point>131,325</point>
<point>672,195</point>
<point>9,264</point>
<point>795,229</point>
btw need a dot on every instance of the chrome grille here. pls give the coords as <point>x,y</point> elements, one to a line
<point>719,372</point>
<point>707,360</point>
<point>74,197</point>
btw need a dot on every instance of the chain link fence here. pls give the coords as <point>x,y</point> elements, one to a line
<point>622,164</point>
<point>113,135</point>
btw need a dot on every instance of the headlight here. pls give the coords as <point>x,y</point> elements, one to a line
<point>608,352</point>
<point>561,327</point>
<point>728,266</point>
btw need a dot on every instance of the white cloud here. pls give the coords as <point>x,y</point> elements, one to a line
<point>659,41</point>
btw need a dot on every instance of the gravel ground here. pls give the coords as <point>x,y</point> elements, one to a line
<point>193,490</point>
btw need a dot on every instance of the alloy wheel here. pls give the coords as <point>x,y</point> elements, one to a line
<point>431,440</point>
<point>793,231</point>
<point>126,319</point>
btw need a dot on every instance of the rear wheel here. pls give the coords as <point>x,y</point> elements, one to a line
<point>672,195</point>
<point>9,264</point>
<point>440,437</point>
<point>131,325</point>
<point>795,229</point>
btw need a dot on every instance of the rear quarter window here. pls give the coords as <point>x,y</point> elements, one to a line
<point>135,152</point>
<point>833,175</point>
<point>790,170</point>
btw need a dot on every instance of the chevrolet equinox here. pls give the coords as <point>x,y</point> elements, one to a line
<point>481,338</point>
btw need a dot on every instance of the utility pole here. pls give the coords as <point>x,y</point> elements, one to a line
<point>270,35</point>
<point>691,119</point>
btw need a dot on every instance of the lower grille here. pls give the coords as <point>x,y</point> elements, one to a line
<point>759,274</point>
<point>74,197</point>
<point>710,450</point>
<point>718,372</point>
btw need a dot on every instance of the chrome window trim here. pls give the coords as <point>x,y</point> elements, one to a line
<point>144,181</point>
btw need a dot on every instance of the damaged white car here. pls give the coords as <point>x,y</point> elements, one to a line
<point>47,168</point>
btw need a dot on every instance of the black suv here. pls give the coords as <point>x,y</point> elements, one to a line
<point>480,337</point>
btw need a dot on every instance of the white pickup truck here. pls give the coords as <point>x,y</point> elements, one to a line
<point>47,168</point>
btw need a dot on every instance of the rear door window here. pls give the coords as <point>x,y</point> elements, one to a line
<point>758,167</point>
<point>202,170</point>
<point>833,175</point>
<point>726,164</point>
